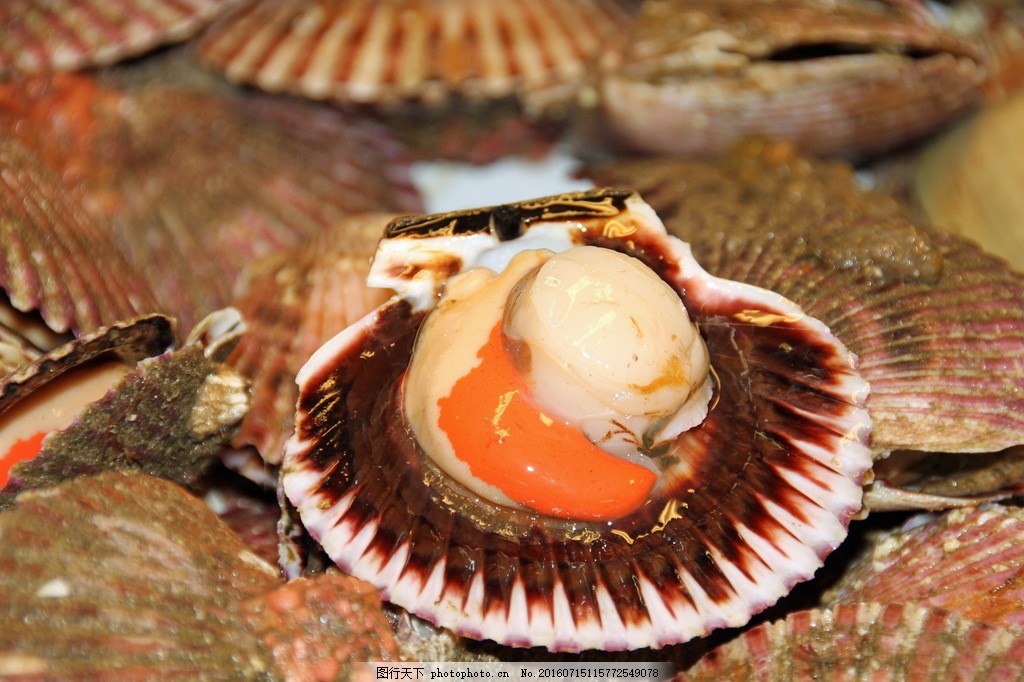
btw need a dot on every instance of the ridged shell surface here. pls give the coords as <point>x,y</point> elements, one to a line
<point>294,301</point>
<point>425,50</point>
<point>878,642</point>
<point>55,258</point>
<point>763,488</point>
<point>850,78</point>
<point>970,561</point>
<point>59,35</point>
<point>244,176</point>
<point>143,581</point>
<point>936,322</point>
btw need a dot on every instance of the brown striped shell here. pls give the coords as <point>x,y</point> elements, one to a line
<point>61,35</point>
<point>936,322</point>
<point>759,493</point>
<point>866,642</point>
<point>143,581</point>
<point>293,302</point>
<point>401,50</point>
<point>845,77</point>
<point>969,561</point>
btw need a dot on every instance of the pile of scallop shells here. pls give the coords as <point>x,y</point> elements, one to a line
<point>753,405</point>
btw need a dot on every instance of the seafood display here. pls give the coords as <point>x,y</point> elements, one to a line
<point>753,406</point>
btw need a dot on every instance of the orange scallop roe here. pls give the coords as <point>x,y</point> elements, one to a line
<point>542,463</point>
<point>22,450</point>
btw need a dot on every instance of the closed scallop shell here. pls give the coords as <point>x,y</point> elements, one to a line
<point>143,581</point>
<point>968,561</point>
<point>412,50</point>
<point>936,321</point>
<point>60,35</point>
<point>760,492</point>
<point>244,176</point>
<point>293,302</point>
<point>838,78</point>
<point>57,260</point>
<point>866,642</point>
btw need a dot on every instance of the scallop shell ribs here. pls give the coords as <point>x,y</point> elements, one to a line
<point>736,509</point>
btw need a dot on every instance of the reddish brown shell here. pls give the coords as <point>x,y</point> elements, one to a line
<point>293,302</point>
<point>400,50</point>
<point>746,507</point>
<point>936,322</point>
<point>244,176</point>
<point>970,561</point>
<point>866,642</point>
<point>56,259</point>
<point>143,581</point>
<point>59,35</point>
<point>851,78</point>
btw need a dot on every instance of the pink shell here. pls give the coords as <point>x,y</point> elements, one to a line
<point>970,561</point>
<point>936,322</point>
<point>850,78</point>
<point>396,50</point>
<point>763,489</point>
<point>293,302</point>
<point>59,35</point>
<point>876,642</point>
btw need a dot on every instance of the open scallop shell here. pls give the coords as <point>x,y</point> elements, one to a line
<point>866,642</point>
<point>127,576</point>
<point>765,487</point>
<point>852,78</point>
<point>970,561</point>
<point>401,50</point>
<point>936,322</point>
<point>58,35</point>
<point>175,409</point>
<point>294,301</point>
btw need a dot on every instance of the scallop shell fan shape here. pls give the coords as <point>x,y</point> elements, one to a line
<point>294,301</point>
<point>970,561</point>
<point>55,258</point>
<point>761,491</point>
<point>936,322</point>
<point>395,50</point>
<point>64,35</point>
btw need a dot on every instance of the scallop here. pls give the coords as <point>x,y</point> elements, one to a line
<point>707,519</point>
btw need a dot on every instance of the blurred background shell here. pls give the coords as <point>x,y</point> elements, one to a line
<point>293,302</point>
<point>970,181</point>
<point>57,261</point>
<point>191,185</point>
<point>59,35</point>
<point>838,78</point>
<point>866,642</point>
<point>395,51</point>
<point>150,584</point>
